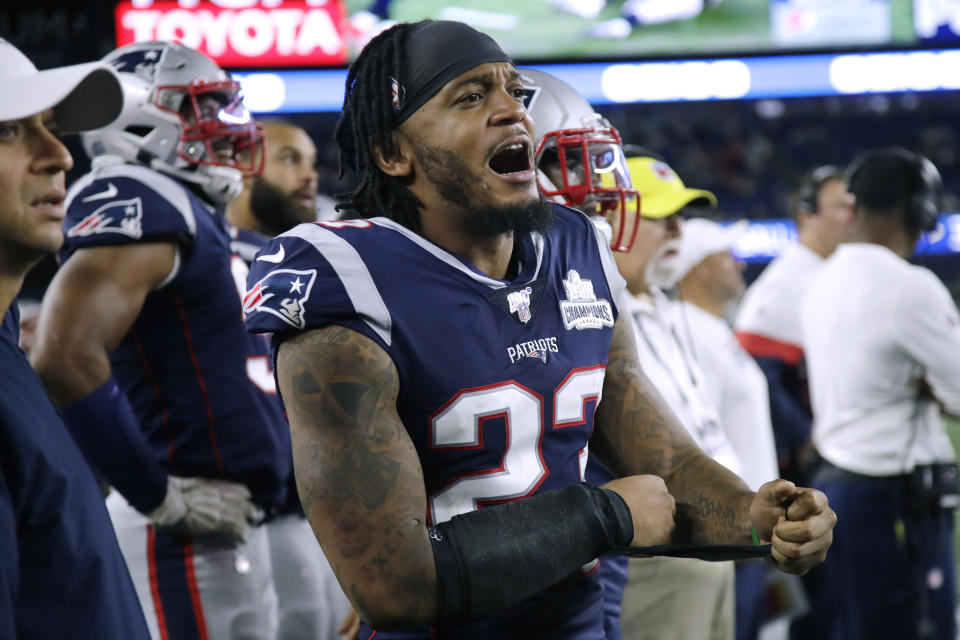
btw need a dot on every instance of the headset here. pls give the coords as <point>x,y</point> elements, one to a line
<point>922,205</point>
<point>806,197</point>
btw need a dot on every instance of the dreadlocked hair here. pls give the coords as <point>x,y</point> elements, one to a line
<point>366,123</point>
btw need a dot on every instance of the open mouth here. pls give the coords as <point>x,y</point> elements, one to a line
<point>512,158</point>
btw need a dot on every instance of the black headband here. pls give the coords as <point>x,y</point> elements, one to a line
<point>437,52</point>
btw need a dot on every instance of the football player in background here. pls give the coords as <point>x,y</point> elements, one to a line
<point>61,572</point>
<point>441,358</point>
<point>285,194</point>
<point>311,603</point>
<point>141,342</point>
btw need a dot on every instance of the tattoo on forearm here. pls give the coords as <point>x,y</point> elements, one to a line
<point>637,433</point>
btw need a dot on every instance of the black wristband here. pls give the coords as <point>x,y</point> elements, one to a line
<point>536,542</point>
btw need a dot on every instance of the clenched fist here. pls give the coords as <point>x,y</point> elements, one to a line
<point>651,507</point>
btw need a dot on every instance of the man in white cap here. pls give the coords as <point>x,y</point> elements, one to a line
<point>710,280</point>
<point>61,571</point>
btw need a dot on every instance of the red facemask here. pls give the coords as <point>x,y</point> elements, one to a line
<point>217,129</point>
<point>585,168</point>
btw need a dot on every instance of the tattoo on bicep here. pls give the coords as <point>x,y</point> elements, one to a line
<point>357,471</point>
<point>340,389</point>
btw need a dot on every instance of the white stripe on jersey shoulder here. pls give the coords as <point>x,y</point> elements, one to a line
<point>246,250</point>
<point>165,186</point>
<point>615,282</point>
<point>450,259</point>
<point>353,274</point>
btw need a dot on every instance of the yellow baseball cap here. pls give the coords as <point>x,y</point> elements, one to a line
<point>662,192</point>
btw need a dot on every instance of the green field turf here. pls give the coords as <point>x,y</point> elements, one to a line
<point>542,31</point>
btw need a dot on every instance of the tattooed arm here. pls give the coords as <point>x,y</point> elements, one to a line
<point>636,432</point>
<point>362,488</point>
<point>358,474</point>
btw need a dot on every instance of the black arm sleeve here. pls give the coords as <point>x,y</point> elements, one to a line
<point>494,557</point>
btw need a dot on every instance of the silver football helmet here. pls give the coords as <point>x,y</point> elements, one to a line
<point>579,156</point>
<point>182,115</point>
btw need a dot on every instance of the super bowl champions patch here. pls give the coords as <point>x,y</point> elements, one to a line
<point>582,309</point>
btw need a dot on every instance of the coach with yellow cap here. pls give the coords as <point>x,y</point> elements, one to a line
<point>663,196</point>
<point>671,598</point>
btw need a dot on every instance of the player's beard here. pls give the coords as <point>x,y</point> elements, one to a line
<point>458,185</point>
<point>274,210</point>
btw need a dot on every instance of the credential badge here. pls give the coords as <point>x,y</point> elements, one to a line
<point>582,309</point>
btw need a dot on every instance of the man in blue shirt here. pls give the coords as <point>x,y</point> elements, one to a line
<point>61,571</point>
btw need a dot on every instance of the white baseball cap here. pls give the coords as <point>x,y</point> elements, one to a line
<point>83,96</point>
<point>702,238</point>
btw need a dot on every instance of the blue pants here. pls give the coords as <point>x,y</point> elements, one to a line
<point>890,572</point>
<point>749,599</point>
<point>613,577</point>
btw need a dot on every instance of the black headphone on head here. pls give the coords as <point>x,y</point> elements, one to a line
<point>806,198</point>
<point>922,206</point>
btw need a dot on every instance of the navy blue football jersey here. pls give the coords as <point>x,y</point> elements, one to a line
<point>195,379</point>
<point>61,571</point>
<point>499,380</point>
<point>245,244</point>
<point>10,325</point>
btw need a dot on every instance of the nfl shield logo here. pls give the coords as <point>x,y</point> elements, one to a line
<point>519,302</point>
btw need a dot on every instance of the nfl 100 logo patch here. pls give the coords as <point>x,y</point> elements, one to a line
<point>519,303</point>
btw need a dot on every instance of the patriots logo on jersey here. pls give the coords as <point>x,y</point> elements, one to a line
<point>120,216</point>
<point>541,354</point>
<point>283,293</point>
<point>519,303</point>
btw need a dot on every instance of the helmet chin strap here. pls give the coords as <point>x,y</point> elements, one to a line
<point>224,184</point>
<point>220,184</point>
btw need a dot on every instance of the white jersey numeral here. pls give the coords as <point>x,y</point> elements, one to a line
<point>459,425</point>
<point>261,374</point>
<point>570,402</point>
<point>258,367</point>
<point>239,270</point>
